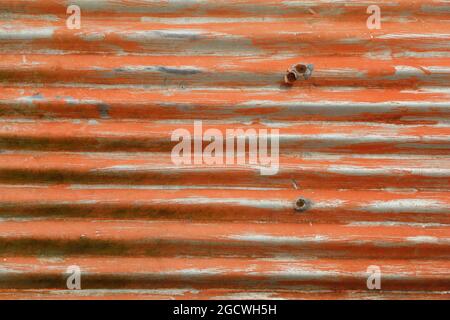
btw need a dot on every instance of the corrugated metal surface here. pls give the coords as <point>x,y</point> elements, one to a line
<point>86,176</point>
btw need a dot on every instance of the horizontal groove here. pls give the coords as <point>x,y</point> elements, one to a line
<point>422,39</point>
<point>218,294</point>
<point>296,104</point>
<point>339,171</point>
<point>146,273</point>
<point>109,135</point>
<point>166,239</point>
<point>211,204</point>
<point>231,8</point>
<point>191,72</point>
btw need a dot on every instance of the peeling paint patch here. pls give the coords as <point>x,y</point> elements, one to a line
<point>409,205</point>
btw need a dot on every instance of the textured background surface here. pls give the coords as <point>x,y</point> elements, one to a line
<point>85,171</point>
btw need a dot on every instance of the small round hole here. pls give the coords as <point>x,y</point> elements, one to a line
<point>300,68</point>
<point>301,204</point>
<point>290,77</point>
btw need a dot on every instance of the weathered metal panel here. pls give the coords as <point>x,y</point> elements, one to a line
<point>87,178</point>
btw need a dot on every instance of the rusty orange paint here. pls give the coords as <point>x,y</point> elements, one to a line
<point>86,176</point>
